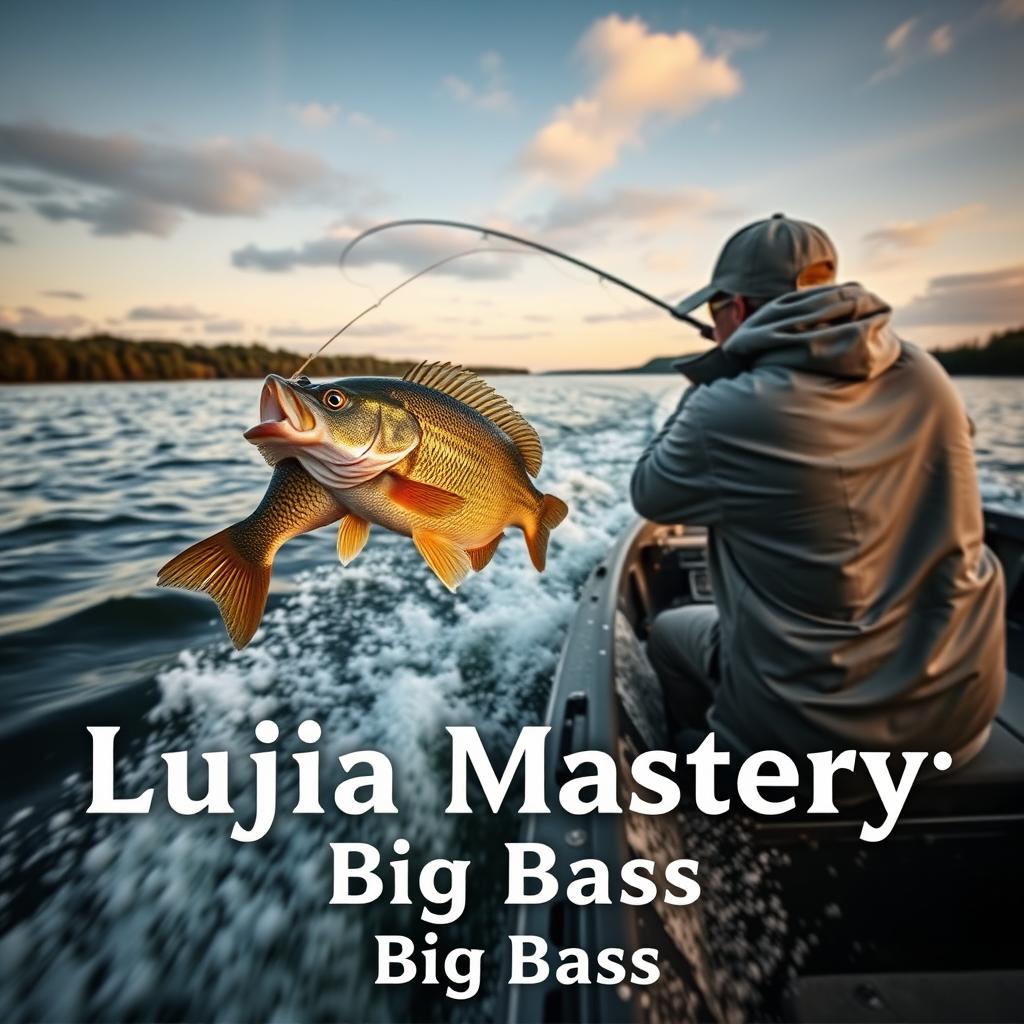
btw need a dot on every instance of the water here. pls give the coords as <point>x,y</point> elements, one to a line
<point>161,916</point>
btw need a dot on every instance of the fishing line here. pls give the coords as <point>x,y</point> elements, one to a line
<point>388,294</point>
<point>705,330</point>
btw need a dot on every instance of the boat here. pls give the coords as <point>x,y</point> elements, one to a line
<point>798,919</point>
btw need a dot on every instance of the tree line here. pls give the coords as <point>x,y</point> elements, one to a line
<point>103,357</point>
<point>1001,356</point>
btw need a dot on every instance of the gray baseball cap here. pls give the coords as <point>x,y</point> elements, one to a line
<point>765,260</point>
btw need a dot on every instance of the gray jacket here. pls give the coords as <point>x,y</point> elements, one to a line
<point>859,606</point>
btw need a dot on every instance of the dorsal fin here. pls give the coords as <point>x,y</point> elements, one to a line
<point>467,387</point>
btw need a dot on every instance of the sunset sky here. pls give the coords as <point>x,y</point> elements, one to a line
<point>193,170</point>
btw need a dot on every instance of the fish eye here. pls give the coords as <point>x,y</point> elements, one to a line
<point>333,399</point>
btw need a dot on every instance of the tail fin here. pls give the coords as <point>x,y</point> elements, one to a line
<point>552,511</point>
<point>216,567</point>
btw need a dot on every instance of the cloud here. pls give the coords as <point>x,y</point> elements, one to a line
<point>365,123</point>
<point>646,209</point>
<point>1011,10</point>
<point>321,252</point>
<point>411,250</point>
<point>147,186</point>
<point>7,207</point>
<point>29,186</point>
<point>989,298</point>
<point>898,38</point>
<point>627,316</point>
<point>64,293</point>
<point>114,215</point>
<point>466,321</point>
<point>491,62</point>
<point>371,329</point>
<point>314,115</point>
<point>905,46</point>
<point>173,313</point>
<point>491,94</point>
<point>224,327</point>
<point>317,116</point>
<point>6,238</point>
<point>638,75</point>
<point>940,41</point>
<point>459,88</point>
<point>513,336</point>
<point>728,41</point>
<point>298,331</point>
<point>29,320</point>
<point>379,329</point>
<point>920,234</point>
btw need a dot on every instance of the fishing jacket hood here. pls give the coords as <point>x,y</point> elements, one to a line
<point>837,330</point>
<point>833,465</point>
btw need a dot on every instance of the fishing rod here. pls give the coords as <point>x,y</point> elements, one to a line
<point>705,330</point>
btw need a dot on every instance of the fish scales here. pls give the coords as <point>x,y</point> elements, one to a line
<point>462,452</point>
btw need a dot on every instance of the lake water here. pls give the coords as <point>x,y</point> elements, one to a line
<point>160,916</point>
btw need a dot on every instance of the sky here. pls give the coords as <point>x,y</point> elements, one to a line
<point>193,171</point>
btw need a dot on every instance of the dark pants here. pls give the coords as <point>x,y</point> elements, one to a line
<point>683,648</point>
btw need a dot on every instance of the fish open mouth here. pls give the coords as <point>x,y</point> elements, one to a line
<point>283,415</point>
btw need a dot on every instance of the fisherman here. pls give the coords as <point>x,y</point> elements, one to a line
<point>855,603</point>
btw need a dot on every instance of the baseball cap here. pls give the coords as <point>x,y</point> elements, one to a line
<point>765,260</point>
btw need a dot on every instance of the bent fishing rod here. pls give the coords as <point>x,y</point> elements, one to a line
<point>705,330</point>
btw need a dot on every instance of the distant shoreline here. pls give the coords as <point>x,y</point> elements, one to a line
<point>1001,356</point>
<point>106,358</point>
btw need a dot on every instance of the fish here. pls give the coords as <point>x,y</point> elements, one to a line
<point>437,455</point>
<point>234,565</point>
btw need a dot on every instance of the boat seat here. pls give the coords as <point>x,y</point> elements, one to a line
<point>990,783</point>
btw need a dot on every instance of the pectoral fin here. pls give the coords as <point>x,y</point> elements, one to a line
<point>352,534</point>
<point>425,499</point>
<point>450,563</point>
<point>551,512</point>
<point>479,557</point>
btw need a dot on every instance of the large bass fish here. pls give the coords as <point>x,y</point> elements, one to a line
<point>437,455</point>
